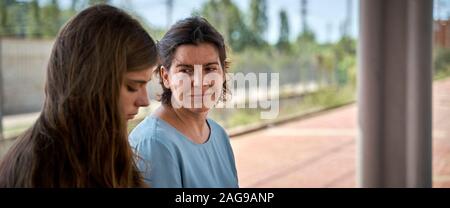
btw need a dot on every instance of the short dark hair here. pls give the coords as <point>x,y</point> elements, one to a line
<point>192,30</point>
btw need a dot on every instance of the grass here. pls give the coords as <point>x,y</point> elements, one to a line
<point>322,99</point>
<point>441,75</point>
<point>289,105</point>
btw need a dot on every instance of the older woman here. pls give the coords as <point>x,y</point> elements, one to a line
<point>178,145</point>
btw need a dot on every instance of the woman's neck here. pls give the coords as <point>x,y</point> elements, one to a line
<point>193,125</point>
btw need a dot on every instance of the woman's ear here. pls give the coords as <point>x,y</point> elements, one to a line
<point>164,76</point>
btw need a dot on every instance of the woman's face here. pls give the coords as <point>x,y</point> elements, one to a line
<point>195,77</point>
<point>133,92</point>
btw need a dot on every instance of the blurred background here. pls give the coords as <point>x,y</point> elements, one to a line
<point>312,44</point>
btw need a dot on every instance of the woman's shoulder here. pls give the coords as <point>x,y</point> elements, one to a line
<point>151,129</point>
<point>217,128</point>
<point>150,138</point>
<point>143,129</point>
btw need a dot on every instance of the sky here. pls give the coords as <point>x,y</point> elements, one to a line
<point>324,16</point>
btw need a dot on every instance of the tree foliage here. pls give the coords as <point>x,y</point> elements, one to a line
<point>283,40</point>
<point>258,17</point>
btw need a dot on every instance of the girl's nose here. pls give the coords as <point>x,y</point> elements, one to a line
<point>143,100</point>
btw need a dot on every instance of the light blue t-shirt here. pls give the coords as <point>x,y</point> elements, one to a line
<point>168,159</point>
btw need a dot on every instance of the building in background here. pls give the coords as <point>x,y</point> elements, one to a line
<point>442,33</point>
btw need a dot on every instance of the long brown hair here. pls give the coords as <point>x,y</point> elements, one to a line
<point>80,137</point>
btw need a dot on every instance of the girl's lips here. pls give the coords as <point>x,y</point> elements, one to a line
<point>130,116</point>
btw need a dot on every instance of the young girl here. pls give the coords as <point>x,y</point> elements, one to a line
<point>96,81</point>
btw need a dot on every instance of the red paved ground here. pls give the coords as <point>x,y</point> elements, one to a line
<point>321,151</point>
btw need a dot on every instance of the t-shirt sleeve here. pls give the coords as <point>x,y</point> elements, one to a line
<point>228,150</point>
<point>231,156</point>
<point>158,164</point>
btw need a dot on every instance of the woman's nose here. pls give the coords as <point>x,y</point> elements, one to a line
<point>198,76</point>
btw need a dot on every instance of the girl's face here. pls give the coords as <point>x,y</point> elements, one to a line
<point>133,92</point>
<point>195,77</point>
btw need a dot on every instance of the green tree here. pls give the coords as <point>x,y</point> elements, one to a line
<point>258,16</point>
<point>78,5</point>
<point>441,61</point>
<point>258,21</point>
<point>344,47</point>
<point>326,65</point>
<point>4,30</point>
<point>213,11</point>
<point>92,2</point>
<point>13,18</point>
<point>227,18</point>
<point>75,6</point>
<point>345,50</point>
<point>230,22</point>
<point>51,20</point>
<point>34,20</point>
<point>283,40</point>
<point>307,36</point>
<point>17,18</point>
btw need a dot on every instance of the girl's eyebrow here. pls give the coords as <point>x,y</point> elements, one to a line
<point>138,81</point>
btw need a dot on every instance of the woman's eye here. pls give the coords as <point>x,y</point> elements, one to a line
<point>211,69</point>
<point>185,71</point>
<point>131,89</point>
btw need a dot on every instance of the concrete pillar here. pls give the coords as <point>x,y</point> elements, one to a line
<point>419,94</point>
<point>1,90</point>
<point>393,60</point>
